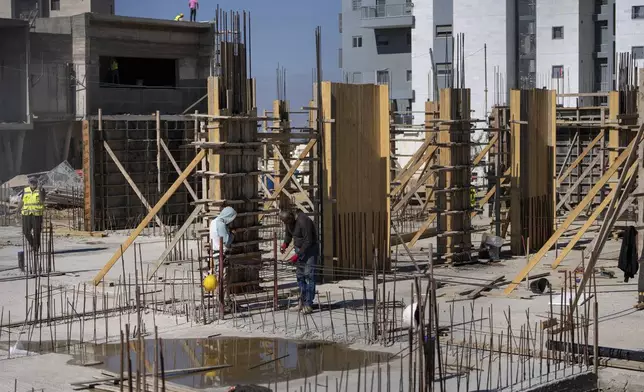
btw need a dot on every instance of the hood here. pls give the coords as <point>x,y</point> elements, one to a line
<point>227,215</point>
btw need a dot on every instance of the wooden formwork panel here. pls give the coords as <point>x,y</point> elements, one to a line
<point>356,170</point>
<point>533,135</point>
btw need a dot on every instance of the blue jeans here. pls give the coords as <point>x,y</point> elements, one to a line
<point>305,273</point>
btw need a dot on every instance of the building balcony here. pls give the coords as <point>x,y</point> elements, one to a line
<point>387,16</point>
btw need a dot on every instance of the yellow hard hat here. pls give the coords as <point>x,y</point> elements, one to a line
<point>209,283</point>
<point>181,14</point>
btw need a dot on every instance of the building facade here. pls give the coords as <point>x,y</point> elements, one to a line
<point>376,46</point>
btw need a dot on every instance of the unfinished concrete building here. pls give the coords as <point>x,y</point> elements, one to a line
<point>67,63</point>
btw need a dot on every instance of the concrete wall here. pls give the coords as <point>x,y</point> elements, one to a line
<point>52,89</point>
<point>360,65</point>
<point>629,32</point>
<point>13,73</point>
<point>190,45</point>
<point>76,7</point>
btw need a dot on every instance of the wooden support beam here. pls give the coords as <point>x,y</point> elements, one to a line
<point>148,218</point>
<point>580,158</point>
<point>176,167</point>
<point>581,178</point>
<point>485,149</point>
<point>177,237</point>
<point>593,217</point>
<point>132,184</point>
<point>536,258</point>
<point>295,180</point>
<point>287,177</point>
<point>414,159</point>
<point>421,182</point>
<point>421,231</point>
<point>491,192</point>
<point>407,175</point>
<point>568,154</point>
<point>398,167</point>
<point>611,215</point>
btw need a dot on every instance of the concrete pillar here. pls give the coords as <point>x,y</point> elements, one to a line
<point>81,59</point>
<point>18,150</point>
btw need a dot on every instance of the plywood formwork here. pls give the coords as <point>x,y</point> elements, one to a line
<point>111,203</point>
<point>454,176</point>
<point>532,215</point>
<point>356,172</point>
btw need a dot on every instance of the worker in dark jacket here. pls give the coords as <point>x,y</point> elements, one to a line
<point>301,230</point>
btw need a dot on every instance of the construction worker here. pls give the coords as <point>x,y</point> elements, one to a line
<point>114,70</point>
<point>194,6</point>
<point>179,18</point>
<point>302,231</point>
<point>32,207</point>
<point>221,232</point>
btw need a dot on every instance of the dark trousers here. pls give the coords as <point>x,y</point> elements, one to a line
<point>193,14</point>
<point>305,274</point>
<point>31,228</point>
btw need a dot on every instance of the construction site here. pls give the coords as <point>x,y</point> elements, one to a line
<point>430,278</point>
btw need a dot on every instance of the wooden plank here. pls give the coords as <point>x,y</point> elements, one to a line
<point>485,149</point>
<point>613,133</point>
<point>132,184</point>
<point>148,218</point>
<point>421,231</point>
<point>293,178</point>
<point>177,237</point>
<point>536,258</point>
<point>589,222</point>
<point>176,167</point>
<point>279,187</point>
<point>581,178</point>
<point>88,175</point>
<point>489,286</point>
<point>491,192</point>
<point>404,177</point>
<point>580,158</point>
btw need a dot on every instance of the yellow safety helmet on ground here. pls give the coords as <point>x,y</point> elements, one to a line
<point>209,283</point>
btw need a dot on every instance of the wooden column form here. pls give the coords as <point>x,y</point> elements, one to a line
<point>533,124</point>
<point>454,176</point>
<point>356,170</point>
<point>640,173</point>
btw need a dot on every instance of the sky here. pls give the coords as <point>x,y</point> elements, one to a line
<point>283,33</point>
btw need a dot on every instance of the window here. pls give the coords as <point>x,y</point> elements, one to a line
<point>137,72</point>
<point>55,5</point>
<point>356,77</point>
<point>408,38</point>
<point>444,68</point>
<point>637,12</point>
<point>382,77</point>
<point>381,40</point>
<point>443,31</point>
<point>409,75</point>
<point>557,32</point>
<point>355,4</point>
<point>357,41</point>
<point>557,72</point>
<point>638,52</point>
<point>340,23</point>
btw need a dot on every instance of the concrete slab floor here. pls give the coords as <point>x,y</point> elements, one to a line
<point>618,325</point>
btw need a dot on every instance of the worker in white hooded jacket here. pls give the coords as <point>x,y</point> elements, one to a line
<point>220,229</point>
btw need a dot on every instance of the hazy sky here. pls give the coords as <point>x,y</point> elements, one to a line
<point>283,32</point>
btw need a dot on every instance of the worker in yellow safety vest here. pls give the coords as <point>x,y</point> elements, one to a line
<point>32,207</point>
<point>179,18</point>
<point>114,70</point>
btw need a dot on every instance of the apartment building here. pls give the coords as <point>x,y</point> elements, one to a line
<point>377,44</point>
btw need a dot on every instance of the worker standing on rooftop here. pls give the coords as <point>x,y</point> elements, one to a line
<point>179,18</point>
<point>302,231</point>
<point>194,6</point>
<point>32,207</point>
<point>114,70</point>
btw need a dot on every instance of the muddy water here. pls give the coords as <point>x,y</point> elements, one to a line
<point>251,359</point>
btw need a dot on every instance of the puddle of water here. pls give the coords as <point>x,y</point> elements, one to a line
<point>300,359</point>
